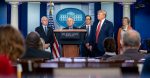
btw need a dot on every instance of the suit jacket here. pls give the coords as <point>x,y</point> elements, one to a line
<point>106,31</point>
<point>130,54</point>
<point>35,53</point>
<point>49,38</point>
<point>84,51</point>
<point>118,38</point>
<point>87,36</point>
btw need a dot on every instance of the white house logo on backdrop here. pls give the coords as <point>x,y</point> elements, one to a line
<point>76,14</point>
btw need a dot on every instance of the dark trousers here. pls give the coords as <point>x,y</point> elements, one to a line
<point>96,52</point>
<point>84,52</point>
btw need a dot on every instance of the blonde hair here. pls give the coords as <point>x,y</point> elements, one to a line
<point>42,43</point>
<point>102,11</point>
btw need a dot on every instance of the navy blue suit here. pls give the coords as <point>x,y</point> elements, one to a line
<point>87,36</point>
<point>105,31</point>
<point>84,51</point>
<point>49,38</point>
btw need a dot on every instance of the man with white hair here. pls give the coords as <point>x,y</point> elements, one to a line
<point>70,23</point>
<point>100,30</point>
<point>46,32</point>
<point>130,42</point>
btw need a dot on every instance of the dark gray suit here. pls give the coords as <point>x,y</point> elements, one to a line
<point>49,38</point>
<point>130,54</point>
<point>84,51</point>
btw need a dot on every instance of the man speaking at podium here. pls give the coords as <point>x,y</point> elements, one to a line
<point>70,22</point>
<point>100,30</point>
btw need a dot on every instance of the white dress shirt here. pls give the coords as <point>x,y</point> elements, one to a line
<point>88,27</point>
<point>101,23</point>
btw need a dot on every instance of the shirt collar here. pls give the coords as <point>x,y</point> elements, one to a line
<point>125,29</point>
<point>88,26</point>
<point>102,21</point>
<point>44,26</point>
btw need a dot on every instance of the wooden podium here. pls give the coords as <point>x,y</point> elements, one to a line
<point>70,41</point>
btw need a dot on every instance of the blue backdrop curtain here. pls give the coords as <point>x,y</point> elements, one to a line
<point>118,14</point>
<point>3,12</point>
<point>8,13</point>
<point>132,15</point>
<point>23,16</point>
<point>141,21</point>
<point>43,10</point>
<point>97,6</point>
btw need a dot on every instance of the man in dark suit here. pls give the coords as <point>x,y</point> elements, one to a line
<point>46,32</point>
<point>130,42</point>
<point>85,52</point>
<point>100,30</point>
<point>70,22</point>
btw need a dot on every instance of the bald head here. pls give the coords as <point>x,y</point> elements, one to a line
<point>70,22</point>
<point>131,39</point>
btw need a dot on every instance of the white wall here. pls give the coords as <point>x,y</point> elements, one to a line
<point>109,8</point>
<point>33,16</point>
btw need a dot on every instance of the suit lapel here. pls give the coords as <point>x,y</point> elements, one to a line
<point>103,25</point>
<point>102,28</point>
<point>43,30</point>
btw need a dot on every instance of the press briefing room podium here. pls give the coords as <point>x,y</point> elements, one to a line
<point>70,41</point>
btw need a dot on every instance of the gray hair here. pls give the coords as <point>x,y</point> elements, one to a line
<point>131,38</point>
<point>43,17</point>
<point>70,18</point>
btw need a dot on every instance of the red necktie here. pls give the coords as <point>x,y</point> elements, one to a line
<point>98,31</point>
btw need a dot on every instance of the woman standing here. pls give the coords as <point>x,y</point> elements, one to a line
<point>125,27</point>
